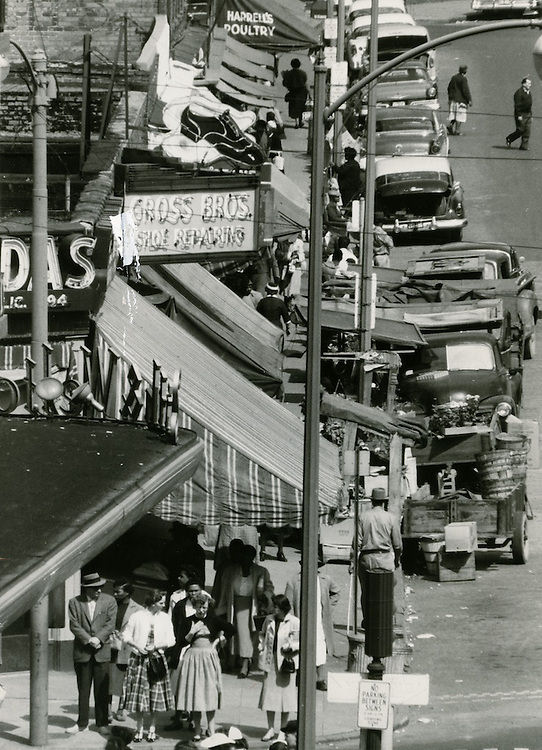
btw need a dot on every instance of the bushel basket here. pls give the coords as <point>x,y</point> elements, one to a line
<point>496,474</point>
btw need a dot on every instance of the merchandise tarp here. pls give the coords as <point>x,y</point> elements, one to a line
<point>252,472</point>
<point>269,24</point>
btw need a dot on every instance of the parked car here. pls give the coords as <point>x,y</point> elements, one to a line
<point>394,39</point>
<point>486,265</point>
<point>360,27</point>
<point>410,131</point>
<point>505,7</point>
<point>416,194</point>
<point>363,8</point>
<point>408,84</point>
<point>457,364</point>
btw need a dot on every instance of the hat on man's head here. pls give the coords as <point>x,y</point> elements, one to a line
<point>462,68</point>
<point>272,288</point>
<point>379,494</point>
<point>218,739</point>
<point>92,580</point>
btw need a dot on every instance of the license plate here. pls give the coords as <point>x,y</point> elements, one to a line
<point>414,226</point>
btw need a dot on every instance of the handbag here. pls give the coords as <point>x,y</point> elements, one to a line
<point>157,668</point>
<point>288,665</point>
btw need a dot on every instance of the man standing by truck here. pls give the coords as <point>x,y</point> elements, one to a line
<point>379,543</point>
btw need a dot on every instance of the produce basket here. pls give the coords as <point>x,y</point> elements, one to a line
<point>519,446</point>
<point>496,474</point>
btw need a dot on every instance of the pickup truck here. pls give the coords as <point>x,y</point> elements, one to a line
<point>491,268</point>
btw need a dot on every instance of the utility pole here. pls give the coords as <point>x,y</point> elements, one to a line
<point>38,256</point>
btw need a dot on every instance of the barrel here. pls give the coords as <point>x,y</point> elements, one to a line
<point>510,440</point>
<point>496,475</point>
<point>431,546</point>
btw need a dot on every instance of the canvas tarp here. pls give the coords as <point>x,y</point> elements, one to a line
<point>252,471</point>
<point>230,327</point>
<point>270,24</point>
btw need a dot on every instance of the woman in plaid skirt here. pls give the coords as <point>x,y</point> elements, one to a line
<point>146,687</point>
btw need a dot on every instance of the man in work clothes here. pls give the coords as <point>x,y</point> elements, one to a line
<point>523,114</point>
<point>459,99</point>
<point>92,620</point>
<point>379,542</point>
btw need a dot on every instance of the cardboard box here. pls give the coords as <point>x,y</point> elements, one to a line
<point>460,537</point>
<point>456,566</point>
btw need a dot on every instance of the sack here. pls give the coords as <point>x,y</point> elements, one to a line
<point>157,668</point>
<point>288,665</point>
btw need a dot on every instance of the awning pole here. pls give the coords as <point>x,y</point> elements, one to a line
<point>39,672</point>
<point>311,455</point>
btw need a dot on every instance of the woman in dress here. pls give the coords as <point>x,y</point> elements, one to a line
<point>279,639</point>
<point>146,689</point>
<point>199,688</point>
<point>295,80</point>
<point>246,592</point>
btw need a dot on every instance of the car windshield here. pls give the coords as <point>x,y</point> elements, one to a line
<point>365,11</point>
<point>471,356</point>
<point>403,123</point>
<point>391,46</point>
<point>404,74</point>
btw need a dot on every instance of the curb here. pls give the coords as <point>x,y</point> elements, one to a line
<point>354,734</point>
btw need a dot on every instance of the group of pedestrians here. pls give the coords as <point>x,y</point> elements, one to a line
<point>168,656</point>
<point>459,99</point>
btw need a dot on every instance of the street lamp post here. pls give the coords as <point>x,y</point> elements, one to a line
<point>307,709</point>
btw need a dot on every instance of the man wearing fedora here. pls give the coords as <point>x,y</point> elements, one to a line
<point>379,541</point>
<point>92,621</point>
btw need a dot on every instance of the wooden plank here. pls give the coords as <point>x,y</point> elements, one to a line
<point>258,56</point>
<point>245,85</point>
<point>395,503</point>
<point>248,68</point>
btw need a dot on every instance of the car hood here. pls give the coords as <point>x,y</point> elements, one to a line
<point>402,91</point>
<point>441,386</point>
<point>409,142</point>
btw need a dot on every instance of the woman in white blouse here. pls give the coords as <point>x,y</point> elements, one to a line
<point>146,687</point>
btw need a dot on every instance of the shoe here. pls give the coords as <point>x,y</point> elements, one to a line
<point>508,142</point>
<point>75,729</point>
<point>196,737</point>
<point>523,148</point>
<point>269,735</point>
<point>321,685</point>
<point>138,737</point>
<point>120,716</point>
<point>104,731</point>
<point>224,134</point>
<point>281,557</point>
<point>151,735</point>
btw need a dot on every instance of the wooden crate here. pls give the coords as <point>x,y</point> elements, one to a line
<point>456,566</point>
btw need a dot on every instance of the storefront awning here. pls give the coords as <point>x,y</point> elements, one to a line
<point>70,487</point>
<point>253,467</point>
<point>230,327</point>
<point>290,206</point>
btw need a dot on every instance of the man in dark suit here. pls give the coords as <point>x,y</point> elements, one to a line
<point>92,620</point>
<point>351,179</point>
<point>523,114</point>
<point>274,308</point>
<point>459,98</point>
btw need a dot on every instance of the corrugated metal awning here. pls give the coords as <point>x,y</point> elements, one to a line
<point>253,467</point>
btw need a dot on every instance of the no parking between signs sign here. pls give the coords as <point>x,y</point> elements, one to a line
<point>373,704</point>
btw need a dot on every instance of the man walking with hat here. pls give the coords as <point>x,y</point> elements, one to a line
<point>92,620</point>
<point>379,541</point>
<point>459,98</point>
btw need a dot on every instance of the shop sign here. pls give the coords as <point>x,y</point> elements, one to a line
<point>71,273</point>
<point>201,222</point>
<point>245,23</point>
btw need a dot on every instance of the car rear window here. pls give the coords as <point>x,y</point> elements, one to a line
<point>413,177</point>
<point>404,74</point>
<point>471,356</point>
<point>404,123</point>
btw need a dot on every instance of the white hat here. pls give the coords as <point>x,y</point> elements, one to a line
<point>218,739</point>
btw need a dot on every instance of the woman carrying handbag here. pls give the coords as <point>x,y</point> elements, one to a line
<point>279,660</point>
<point>146,687</point>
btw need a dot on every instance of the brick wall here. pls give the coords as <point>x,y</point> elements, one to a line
<point>58,26</point>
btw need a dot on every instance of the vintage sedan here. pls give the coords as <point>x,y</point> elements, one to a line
<point>506,7</point>
<point>394,39</point>
<point>408,84</point>
<point>363,8</point>
<point>418,195</point>
<point>360,27</point>
<point>409,131</point>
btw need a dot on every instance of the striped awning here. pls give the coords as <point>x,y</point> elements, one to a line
<point>252,470</point>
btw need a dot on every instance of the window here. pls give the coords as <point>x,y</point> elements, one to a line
<point>473,356</point>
